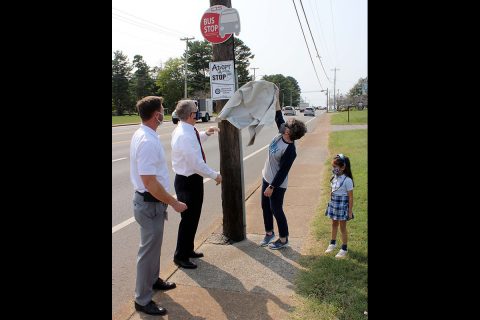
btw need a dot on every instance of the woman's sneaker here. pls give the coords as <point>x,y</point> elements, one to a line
<point>278,245</point>
<point>341,254</point>
<point>330,248</point>
<point>267,239</point>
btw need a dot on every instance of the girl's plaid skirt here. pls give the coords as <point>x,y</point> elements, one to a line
<point>337,208</point>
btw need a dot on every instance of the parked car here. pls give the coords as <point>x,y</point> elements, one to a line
<point>174,117</point>
<point>303,105</point>
<point>289,111</point>
<point>309,111</point>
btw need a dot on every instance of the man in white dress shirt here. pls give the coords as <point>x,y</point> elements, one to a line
<point>190,165</point>
<point>150,179</point>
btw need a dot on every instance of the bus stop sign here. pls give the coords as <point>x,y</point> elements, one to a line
<point>219,23</point>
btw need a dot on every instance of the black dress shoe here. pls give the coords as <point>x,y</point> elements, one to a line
<point>196,255</point>
<point>151,308</point>
<point>163,285</point>
<point>184,263</point>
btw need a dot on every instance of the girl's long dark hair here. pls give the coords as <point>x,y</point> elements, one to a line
<point>344,161</point>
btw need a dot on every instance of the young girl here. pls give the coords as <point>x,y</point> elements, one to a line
<point>339,208</point>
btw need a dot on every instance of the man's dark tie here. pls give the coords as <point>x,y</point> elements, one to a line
<point>198,138</point>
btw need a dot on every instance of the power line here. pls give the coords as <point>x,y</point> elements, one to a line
<point>152,23</point>
<point>314,44</point>
<point>307,44</point>
<point>140,24</point>
<point>321,30</point>
<point>333,27</point>
<point>137,37</point>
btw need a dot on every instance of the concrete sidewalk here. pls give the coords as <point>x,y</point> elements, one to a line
<point>243,280</point>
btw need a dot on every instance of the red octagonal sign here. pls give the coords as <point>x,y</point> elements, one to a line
<point>217,21</point>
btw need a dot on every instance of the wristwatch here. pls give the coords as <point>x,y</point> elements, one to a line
<point>270,187</point>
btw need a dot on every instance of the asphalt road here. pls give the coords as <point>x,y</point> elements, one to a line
<point>125,233</point>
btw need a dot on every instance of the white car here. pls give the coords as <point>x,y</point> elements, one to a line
<point>290,111</point>
<point>309,111</point>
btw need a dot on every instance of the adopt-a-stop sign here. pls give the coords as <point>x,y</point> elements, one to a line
<point>210,25</point>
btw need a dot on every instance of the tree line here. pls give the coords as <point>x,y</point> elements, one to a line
<point>134,80</point>
<point>356,97</point>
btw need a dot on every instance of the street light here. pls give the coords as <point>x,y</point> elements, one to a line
<point>327,96</point>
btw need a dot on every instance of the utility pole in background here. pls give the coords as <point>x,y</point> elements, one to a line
<point>338,95</point>
<point>231,155</point>
<point>254,73</point>
<point>186,59</point>
<point>327,97</point>
<point>279,89</point>
<point>334,83</point>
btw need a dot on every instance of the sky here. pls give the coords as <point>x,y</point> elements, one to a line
<point>270,28</point>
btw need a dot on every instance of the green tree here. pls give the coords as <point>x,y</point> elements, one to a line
<point>132,97</point>
<point>357,88</point>
<point>288,88</point>
<point>153,75</point>
<point>142,82</point>
<point>242,61</point>
<point>170,82</point>
<point>359,93</point>
<point>121,72</point>
<point>293,89</point>
<point>199,56</point>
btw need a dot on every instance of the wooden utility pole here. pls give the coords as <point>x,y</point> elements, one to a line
<point>186,63</point>
<point>231,155</point>
<point>254,73</point>
<point>334,84</point>
<point>327,96</point>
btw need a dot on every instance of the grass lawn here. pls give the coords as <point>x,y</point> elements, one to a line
<point>331,288</point>
<point>132,119</point>
<point>356,117</point>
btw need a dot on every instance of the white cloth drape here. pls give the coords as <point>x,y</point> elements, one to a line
<point>252,106</point>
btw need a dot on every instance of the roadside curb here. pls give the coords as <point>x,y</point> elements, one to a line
<point>133,123</point>
<point>124,124</point>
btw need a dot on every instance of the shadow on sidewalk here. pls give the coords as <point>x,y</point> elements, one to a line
<point>175,310</point>
<point>232,297</point>
<point>282,267</point>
